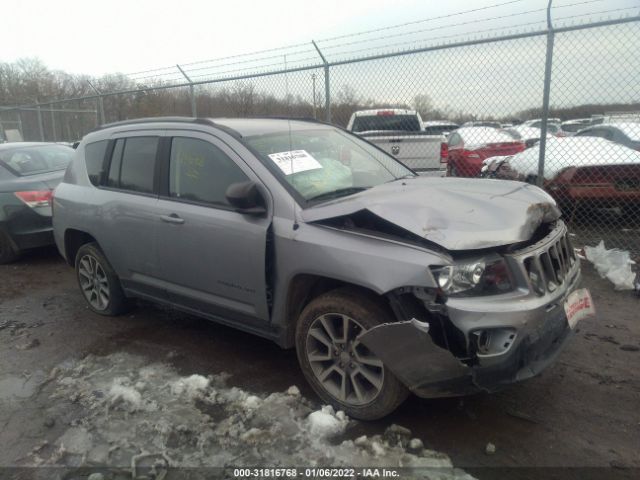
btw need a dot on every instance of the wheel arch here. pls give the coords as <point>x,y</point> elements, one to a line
<point>303,288</point>
<point>73,240</point>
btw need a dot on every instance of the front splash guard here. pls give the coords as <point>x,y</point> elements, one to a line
<point>406,348</point>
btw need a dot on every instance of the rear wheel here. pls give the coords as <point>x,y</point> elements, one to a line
<point>98,282</point>
<point>8,252</point>
<point>343,371</point>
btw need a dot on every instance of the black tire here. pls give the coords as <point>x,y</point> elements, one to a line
<point>366,311</point>
<point>8,252</point>
<point>105,287</point>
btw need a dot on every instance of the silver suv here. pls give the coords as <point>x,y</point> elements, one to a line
<point>298,231</point>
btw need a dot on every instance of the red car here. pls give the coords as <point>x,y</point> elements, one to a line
<point>579,172</point>
<point>469,146</point>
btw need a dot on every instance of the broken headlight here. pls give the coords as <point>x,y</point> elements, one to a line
<point>473,278</point>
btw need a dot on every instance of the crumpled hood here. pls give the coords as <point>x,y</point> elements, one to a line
<point>456,213</point>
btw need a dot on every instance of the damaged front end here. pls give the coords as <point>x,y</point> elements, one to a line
<point>465,340</point>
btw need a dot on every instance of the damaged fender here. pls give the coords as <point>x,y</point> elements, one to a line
<point>406,348</point>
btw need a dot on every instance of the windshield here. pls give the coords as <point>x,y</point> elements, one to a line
<point>36,159</point>
<point>326,163</point>
<point>369,123</point>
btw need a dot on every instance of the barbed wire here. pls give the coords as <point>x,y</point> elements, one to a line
<point>269,50</point>
<point>210,67</point>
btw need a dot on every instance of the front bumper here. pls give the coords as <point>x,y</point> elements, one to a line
<point>538,322</point>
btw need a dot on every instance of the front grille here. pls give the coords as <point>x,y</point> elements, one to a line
<point>549,266</point>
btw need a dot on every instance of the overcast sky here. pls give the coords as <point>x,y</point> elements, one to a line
<point>97,37</point>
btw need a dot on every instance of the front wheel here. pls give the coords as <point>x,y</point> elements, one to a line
<point>98,282</point>
<point>341,370</point>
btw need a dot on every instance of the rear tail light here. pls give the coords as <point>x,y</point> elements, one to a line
<point>444,152</point>
<point>36,198</point>
<point>385,113</point>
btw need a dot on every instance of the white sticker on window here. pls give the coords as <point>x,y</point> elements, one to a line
<point>295,161</point>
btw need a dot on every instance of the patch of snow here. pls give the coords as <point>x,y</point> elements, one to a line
<point>614,264</point>
<point>251,402</point>
<point>416,444</point>
<point>293,391</point>
<point>326,422</point>
<point>199,421</point>
<point>118,391</point>
<point>378,449</point>
<point>192,386</point>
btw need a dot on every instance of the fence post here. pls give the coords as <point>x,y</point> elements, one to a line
<point>327,87</point>
<point>53,123</point>
<point>20,124</point>
<point>101,119</point>
<point>545,97</point>
<point>40,123</point>
<point>192,93</point>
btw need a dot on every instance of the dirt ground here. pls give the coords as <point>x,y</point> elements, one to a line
<point>579,419</point>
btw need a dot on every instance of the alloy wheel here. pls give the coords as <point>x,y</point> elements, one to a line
<point>93,282</point>
<point>346,368</point>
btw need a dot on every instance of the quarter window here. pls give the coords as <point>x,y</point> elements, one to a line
<point>94,158</point>
<point>133,164</point>
<point>201,172</point>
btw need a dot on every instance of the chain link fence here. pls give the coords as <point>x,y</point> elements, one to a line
<point>557,107</point>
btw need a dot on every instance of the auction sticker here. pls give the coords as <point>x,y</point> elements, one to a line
<point>295,161</point>
<point>579,306</point>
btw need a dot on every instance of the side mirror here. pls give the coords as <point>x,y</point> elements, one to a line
<point>246,198</point>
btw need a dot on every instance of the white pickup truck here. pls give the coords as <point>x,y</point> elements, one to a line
<point>400,133</point>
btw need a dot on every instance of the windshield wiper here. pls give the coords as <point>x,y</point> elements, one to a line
<point>404,177</point>
<point>341,192</point>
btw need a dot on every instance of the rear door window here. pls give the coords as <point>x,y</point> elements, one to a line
<point>201,172</point>
<point>133,164</point>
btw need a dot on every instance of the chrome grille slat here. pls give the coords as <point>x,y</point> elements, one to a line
<point>552,261</point>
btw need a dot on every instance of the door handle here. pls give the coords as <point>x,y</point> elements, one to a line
<point>173,218</point>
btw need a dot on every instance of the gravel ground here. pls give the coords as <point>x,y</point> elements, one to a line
<point>73,391</point>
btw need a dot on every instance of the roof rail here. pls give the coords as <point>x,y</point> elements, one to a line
<point>136,121</point>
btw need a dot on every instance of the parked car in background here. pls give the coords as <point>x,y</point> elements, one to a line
<point>482,123</point>
<point>469,146</point>
<point>529,135</point>
<point>588,172</point>
<point>399,132</point>
<point>28,174</point>
<point>572,126</point>
<point>385,282</point>
<point>554,125</point>
<point>624,133</point>
<point>439,127</point>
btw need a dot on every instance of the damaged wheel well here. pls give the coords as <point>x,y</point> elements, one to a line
<point>305,287</point>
